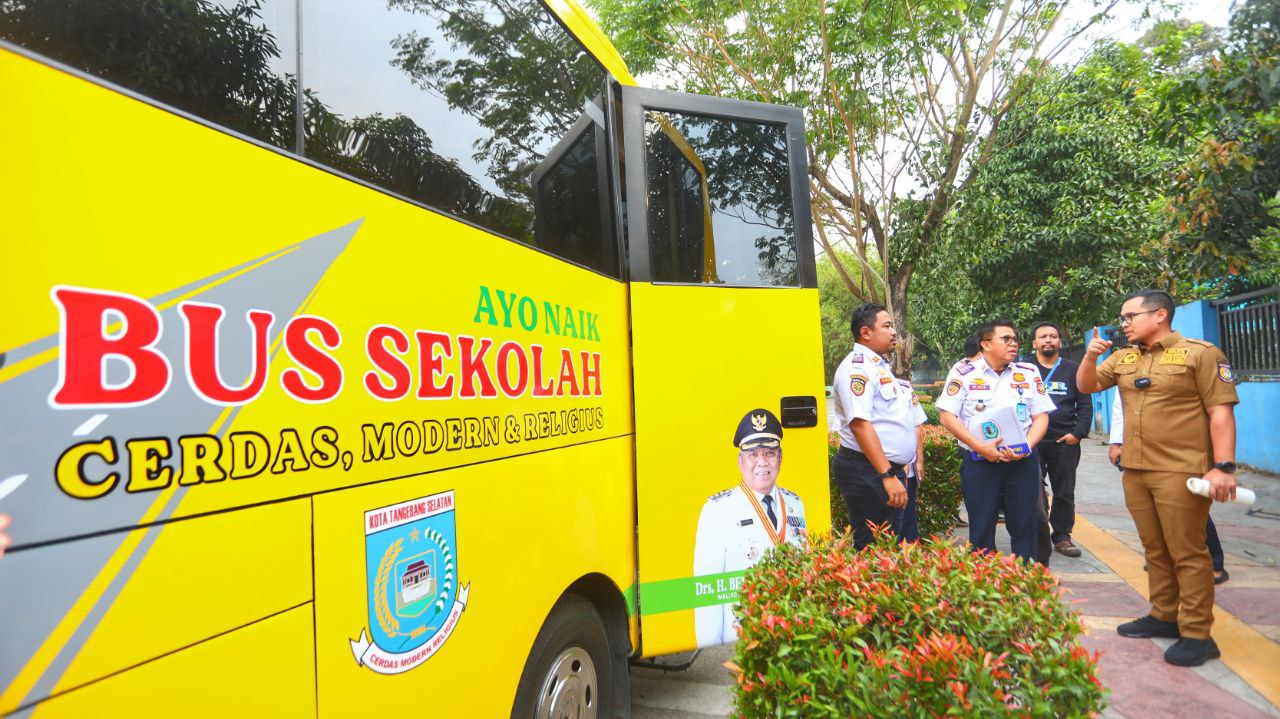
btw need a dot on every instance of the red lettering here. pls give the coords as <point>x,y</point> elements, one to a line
<point>313,359</point>
<point>538,389</point>
<point>505,353</point>
<point>375,346</point>
<point>85,344</point>
<point>202,322</point>
<point>430,365</point>
<point>566,375</point>
<point>473,367</point>
<point>590,371</point>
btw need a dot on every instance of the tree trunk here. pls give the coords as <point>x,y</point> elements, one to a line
<point>898,285</point>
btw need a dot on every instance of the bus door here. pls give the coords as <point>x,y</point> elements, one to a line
<point>725,331</point>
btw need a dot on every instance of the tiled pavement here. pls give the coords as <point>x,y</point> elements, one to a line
<point>1106,585</point>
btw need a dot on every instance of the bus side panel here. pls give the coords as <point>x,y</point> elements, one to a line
<point>120,199</point>
<point>753,346</point>
<point>264,669</point>
<point>202,577</point>
<point>526,528</point>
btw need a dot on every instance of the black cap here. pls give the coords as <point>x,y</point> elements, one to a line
<point>759,428</point>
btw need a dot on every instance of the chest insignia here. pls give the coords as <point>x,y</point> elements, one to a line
<point>1177,355</point>
<point>1131,358</point>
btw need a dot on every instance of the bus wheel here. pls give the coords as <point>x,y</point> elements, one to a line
<point>568,673</point>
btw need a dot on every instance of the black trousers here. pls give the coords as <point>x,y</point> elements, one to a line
<point>1014,485</point>
<point>863,492</point>
<point>1060,460</point>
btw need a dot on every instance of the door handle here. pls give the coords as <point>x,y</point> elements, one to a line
<point>801,411</point>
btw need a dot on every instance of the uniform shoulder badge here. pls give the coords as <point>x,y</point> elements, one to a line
<point>788,493</point>
<point>721,495</point>
<point>858,384</point>
<point>1224,372</point>
<point>1194,341</point>
<point>953,388</point>
<point>856,357</point>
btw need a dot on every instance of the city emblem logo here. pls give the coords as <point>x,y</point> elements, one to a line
<point>858,384</point>
<point>990,430</point>
<point>1224,372</point>
<point>953,388</point>
<point>411,571</point>
<point>758,422</point>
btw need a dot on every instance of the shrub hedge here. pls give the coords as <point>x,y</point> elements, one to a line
<point>914,630</point>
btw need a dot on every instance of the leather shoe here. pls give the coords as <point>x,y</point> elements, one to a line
<point>1192,652</point>
<point>1065,547</point>
<point>1149,626</point>
<point>1220,576</point>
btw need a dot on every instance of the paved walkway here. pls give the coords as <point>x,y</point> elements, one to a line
<point>1107,586</point>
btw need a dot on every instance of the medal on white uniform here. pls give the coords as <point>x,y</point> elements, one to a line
<point>777,536</point>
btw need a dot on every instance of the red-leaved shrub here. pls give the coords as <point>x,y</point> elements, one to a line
<point>922,630</point>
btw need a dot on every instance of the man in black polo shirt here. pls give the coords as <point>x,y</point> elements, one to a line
<point>1068,424</point>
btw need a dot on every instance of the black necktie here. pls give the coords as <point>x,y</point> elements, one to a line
<point>768,509</point>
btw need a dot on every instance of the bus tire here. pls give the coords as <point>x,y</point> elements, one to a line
<point>569,670</point>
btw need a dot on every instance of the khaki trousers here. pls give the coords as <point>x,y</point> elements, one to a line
<point>1171,523</point>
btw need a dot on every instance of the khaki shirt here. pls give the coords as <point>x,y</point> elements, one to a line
<point>1166,425</point>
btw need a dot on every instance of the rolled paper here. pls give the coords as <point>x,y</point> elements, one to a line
<point>1200,486</point>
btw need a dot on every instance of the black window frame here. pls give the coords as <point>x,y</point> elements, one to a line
<point>638,101</point>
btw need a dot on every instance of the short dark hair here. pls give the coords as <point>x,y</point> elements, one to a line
<point>988,329</point>
<point>971,346</point>
<point>1040,325</point>
<point>864,316</point>
<point>1155,300</point>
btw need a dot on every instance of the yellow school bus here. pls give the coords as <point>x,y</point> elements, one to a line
<point>362,358</point>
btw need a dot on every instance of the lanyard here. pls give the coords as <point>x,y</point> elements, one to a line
<point>1051,371</point>
<point>777,536</point>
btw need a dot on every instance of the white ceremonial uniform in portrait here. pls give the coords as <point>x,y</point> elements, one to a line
<point>732,537</point>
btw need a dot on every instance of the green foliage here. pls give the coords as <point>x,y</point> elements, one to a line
<point>1227,112</point>
<point>836,305</point>
<point>908,631</point>
<point>1067,215</point>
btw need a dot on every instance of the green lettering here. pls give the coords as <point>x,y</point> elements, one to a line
<point>506,306</point>
<point>485,307</point>
<point>551,317</point>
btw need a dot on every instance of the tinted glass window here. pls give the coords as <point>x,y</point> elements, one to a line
<point>233,63</point>
<point>719,201</point>
<point>456,104</point>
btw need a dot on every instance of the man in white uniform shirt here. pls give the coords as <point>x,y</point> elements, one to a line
<point>879,423</point>
<point>978,399</point>
<point>737,526</point>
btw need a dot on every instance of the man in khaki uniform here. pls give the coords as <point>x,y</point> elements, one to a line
<point>1178,400</point>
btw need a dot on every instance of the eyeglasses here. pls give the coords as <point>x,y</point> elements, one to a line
<point>762,453</point>
<point>1008,339</point>
<point>1127,317</point>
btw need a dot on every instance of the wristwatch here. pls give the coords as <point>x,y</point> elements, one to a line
<point>889,473</point>
<point>1229,467</point>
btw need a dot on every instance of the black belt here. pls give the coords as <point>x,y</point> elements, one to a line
<point>851,453</point>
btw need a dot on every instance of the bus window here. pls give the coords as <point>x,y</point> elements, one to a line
<point>232,62</point>
<point>455,104</point>
<point>568,182</point>
<point>720,204</point>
